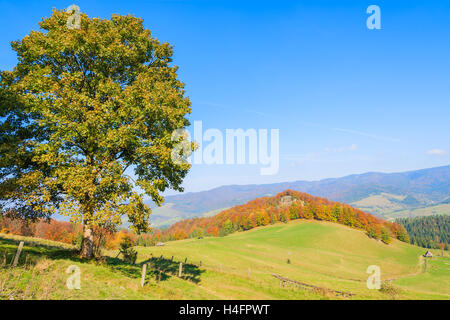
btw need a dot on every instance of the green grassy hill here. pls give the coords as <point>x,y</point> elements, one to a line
<point>238,266</point>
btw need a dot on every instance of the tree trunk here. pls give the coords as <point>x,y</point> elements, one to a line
<point>87,246</point>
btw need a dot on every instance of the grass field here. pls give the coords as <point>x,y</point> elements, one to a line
<point>419,212</point>
<point>391,207</point>
<point>239,266</point>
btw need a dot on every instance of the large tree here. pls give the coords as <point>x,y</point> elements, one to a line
<point>87,122</point>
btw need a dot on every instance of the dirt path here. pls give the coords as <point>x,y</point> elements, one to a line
<point>421,266</point>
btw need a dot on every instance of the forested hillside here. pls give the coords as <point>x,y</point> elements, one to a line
<point>285,206</point>
<point>428,232</point>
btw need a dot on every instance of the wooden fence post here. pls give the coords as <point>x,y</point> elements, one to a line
<point>19,251</point>
<point>200,263</point>
<point>144,272</point>
<point>185,260</point>
<point>180,270</point>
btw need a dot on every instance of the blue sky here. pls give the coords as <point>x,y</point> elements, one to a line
<point>346,99</point>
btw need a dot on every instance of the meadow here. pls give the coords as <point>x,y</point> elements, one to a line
<point>238,266</point>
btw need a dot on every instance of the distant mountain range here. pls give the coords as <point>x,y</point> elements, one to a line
<point>388,195</point>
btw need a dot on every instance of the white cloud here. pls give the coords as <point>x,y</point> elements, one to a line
<point>436,152</point>
<point>318,156</point>
<point>342,149</point>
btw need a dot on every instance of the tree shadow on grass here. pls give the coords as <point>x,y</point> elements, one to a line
<point>32,253</point>
<point>160,269</point>
<point>38,248</point>
<point>190,271</point>
<point>127,269</point>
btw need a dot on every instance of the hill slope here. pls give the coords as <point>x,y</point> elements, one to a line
<point>240,266</point>
<point>382,194</point>
<point>283,207</point>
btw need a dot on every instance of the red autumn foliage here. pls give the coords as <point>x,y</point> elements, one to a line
<point>69,232</point>
<point>267,210</point>
<point>46,229</point>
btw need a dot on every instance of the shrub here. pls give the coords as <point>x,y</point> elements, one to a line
<point>385,237</point>
<point>127,251</point>
<point>390,289</point>
<point>374,233</point>
<point>79,240</point>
